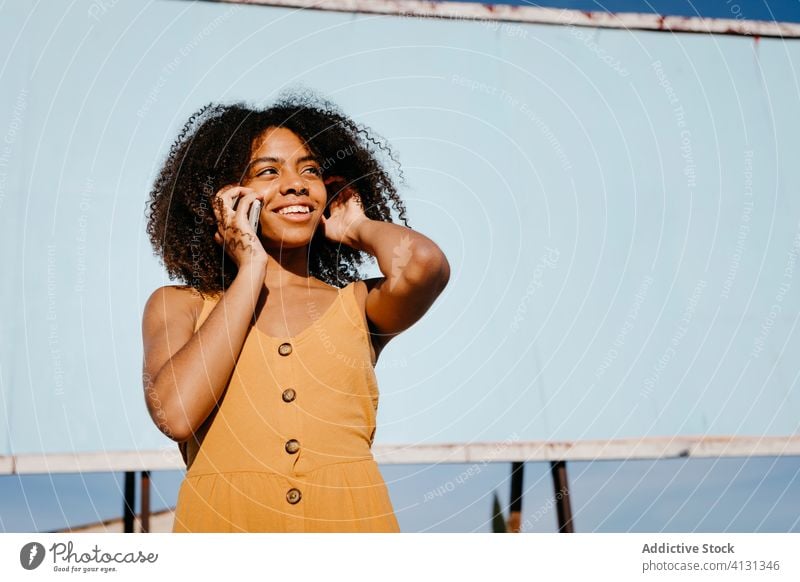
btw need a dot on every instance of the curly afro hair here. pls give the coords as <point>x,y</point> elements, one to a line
<point>213,150</point>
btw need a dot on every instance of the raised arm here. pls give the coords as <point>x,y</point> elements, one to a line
<point>185,373</point>
<point>415,270</point>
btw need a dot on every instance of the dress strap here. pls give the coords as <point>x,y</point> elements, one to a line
<point>205,311</point>
<point>359,318</point>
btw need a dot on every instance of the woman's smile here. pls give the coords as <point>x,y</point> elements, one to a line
<point>295,212</point>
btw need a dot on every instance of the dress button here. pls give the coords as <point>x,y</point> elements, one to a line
<point>288,395</point>
<point>292,446</point>
<point>293,495</point>
<point>285,349</point>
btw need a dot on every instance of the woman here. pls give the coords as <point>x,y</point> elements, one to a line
<point>261,366</point>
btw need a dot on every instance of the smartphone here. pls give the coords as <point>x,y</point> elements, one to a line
<point>254,215</point>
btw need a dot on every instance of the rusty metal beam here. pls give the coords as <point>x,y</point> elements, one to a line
<point>128,501</point>
<point>558,469</point>
<point>144,510</point>
<point>515,507</point>
<point>509,451</point>
<point>591,450</point>
<point>540,15</point>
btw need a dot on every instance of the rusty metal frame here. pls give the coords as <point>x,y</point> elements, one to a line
<point>539,15</point>
<point>169,458</point>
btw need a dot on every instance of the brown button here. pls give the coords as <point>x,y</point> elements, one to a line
<point>285,349</point>
<point>293,495</point>
<point>288,395</point>
<point>292,446</point>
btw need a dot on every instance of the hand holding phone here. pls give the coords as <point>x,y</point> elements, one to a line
<point>253,213</point>
<point>232,222</point>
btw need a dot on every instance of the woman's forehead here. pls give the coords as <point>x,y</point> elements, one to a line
<point>279,142</point>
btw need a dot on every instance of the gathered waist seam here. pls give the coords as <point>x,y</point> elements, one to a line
<point>274,474</point>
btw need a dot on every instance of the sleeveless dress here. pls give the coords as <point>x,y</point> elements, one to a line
<point>288,446</point>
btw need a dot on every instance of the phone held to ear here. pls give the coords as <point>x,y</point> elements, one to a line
<point>254,214</point>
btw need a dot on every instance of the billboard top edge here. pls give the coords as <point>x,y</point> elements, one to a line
<point>647,448</point>
<point>543,15</point>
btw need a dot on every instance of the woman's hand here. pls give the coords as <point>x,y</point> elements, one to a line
<point>234,232</point>
<point>346,212</point>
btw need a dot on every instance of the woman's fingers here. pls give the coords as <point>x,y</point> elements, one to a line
<point>332,179</point>
<point>229,194</point>
<point>341,193</point>
<point>226,210</point>
<point>234,233</point>
<point>335,185</point>
<point>221,204</point>
<point>346,198</point>
<point>225,201</point>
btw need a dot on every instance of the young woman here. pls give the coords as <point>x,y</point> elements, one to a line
<point>261,366</point>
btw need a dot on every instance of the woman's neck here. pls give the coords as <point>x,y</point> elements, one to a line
<point>287,267</point>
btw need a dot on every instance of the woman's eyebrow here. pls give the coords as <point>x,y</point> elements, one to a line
<point>274,160</point>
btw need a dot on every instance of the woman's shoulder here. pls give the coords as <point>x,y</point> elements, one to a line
<point>179,294</point>
<point>172,301</point>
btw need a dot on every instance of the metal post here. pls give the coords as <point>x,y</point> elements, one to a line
<point>145,509</point>
<point>128,502</point>
<point>515,508</point>
<point>559,472</point>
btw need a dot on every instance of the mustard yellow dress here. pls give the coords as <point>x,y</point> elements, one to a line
<point>288,447</point>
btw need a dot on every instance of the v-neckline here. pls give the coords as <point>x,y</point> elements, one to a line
<point>313,324</point>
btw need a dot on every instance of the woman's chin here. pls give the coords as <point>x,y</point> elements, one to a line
<point>290,240</point>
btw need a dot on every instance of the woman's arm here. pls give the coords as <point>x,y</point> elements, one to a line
<point>185,373</point>
<point>415,270</point>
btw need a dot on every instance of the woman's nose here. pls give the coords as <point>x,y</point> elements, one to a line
<point>293,183</point>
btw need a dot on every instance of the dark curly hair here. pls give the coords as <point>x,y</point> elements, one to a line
<point>213,150</point>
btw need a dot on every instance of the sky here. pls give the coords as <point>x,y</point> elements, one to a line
<point>676,495</point>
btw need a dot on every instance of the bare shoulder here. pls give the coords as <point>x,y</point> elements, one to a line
<point>173,303</point>
<point>168,323</point>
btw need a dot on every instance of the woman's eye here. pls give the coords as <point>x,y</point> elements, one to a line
<point>314,170</point>
<point>266,170</point>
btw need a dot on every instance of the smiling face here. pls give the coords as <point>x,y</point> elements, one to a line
<point>289,179</point>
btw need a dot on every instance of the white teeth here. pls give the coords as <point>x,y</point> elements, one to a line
<point>296,208</point>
